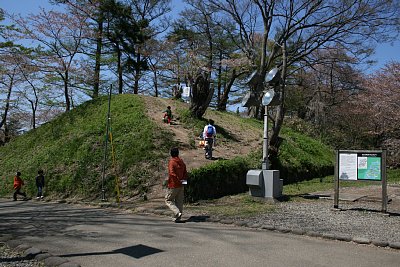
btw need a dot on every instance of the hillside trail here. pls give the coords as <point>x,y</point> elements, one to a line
<point>242,142</point>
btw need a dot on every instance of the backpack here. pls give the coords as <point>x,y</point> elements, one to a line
<point>210,131</point>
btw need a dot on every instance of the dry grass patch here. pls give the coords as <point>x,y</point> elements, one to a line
<point>238,206</point>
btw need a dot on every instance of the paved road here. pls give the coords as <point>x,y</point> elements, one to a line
<point>99,237</point>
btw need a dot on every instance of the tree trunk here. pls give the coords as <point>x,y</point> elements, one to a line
<point>275,141</point>
<point>33,107</point>
<point>219,86</point>
<point>202,94</point>
<point>119,67</point>
<point>66,93</point>
<point>176,92</point>
<point>3,121</point>
<point>155,83</point>
<point>225,95</point>
<point>99,43</point>
<point>137,74</point>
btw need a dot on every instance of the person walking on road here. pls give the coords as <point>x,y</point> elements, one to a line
<point>177,176</point>
<point>18,183</point>
<point>40,184</point>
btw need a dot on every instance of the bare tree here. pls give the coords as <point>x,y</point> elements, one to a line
<point>382,98</point>
<point>174,63</point>
<point>59,37</point>
<point>298,28</point>
<point>8,81</point>
<point>8,77</point>
<point>155,55</point>
<point>31,76</point>
<point>329,82</point>
<point>93,11</point>
<point>155,14</point>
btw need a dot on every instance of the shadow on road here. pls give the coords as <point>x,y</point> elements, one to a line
<point>137,252</point>
<point>196,219</point>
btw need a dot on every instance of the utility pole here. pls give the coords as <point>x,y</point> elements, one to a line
<point>103,192</point>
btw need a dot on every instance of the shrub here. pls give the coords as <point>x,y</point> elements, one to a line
<point>219,179</point>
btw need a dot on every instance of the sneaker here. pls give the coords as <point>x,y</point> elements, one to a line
<point>37,197</point>
<point>42,197</point>
<point>178,217</point>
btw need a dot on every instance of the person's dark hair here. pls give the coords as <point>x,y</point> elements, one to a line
<point>211,121</point>
<point>18,174</point>
<point>169,107</point>
<point>40,172</point>
<point>174,152</point>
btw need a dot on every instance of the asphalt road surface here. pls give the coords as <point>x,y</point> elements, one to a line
<point>100,237</point>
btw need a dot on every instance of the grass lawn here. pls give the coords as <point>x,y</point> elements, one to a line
<point>244,206</point>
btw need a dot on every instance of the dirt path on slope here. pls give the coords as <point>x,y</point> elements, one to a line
<point>241,142</point>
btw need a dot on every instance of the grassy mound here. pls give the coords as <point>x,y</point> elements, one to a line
<point>302,158</point>
<point>70,149</point>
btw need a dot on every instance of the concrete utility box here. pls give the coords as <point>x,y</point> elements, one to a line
<point>255,181</point>
<point>273,185</point>
<point>264,183</point>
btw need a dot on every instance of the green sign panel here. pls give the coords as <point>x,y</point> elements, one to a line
<point>360,166</point>
<point>369,168</point>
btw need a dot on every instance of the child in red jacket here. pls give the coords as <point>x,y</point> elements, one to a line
<point>18,183</point>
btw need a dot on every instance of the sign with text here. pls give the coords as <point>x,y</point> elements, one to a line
<point>360,165</point>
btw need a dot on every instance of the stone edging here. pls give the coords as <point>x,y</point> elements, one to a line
<point>281,229</point>
<point>338,237</point>
<point>30,252</point>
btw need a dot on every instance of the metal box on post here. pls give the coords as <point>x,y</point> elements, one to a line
<point>255,181</point>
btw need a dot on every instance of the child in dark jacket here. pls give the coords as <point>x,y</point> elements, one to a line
<point>18,183</point>
<point>40,184</point>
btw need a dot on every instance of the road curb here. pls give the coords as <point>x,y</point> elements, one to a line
<point>282,229</point>
<point>28,252</point>
<point>327,236</point>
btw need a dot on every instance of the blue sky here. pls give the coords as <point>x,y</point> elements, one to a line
<point>384,52</point>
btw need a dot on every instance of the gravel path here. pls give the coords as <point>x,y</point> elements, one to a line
<point>10,257</point>
<point>365,221</point>
<point>360,221</point>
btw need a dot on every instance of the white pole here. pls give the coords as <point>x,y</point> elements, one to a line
<point>265,163</point>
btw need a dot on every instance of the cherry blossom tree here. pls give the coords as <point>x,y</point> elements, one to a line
<point>58,38</point>
<point>381,103</point>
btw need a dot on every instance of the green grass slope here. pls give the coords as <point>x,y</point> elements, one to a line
<point>70,149</point>
<point>302,157</point>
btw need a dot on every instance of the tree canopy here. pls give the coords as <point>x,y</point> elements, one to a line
<point>321,48</point>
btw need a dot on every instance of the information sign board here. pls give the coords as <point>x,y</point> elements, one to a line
<point>360,166</point>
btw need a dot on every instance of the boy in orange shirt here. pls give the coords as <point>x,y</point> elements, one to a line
<point>18,183</point>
